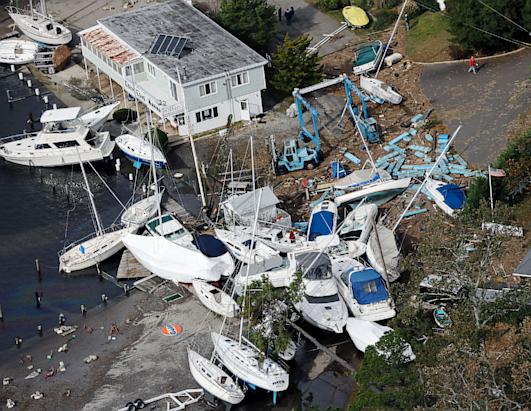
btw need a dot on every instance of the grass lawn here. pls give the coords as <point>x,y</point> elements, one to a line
<point>428,39</point>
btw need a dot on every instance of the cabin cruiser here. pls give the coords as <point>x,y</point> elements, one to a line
<point>450,198</point>
<point>323,222</point>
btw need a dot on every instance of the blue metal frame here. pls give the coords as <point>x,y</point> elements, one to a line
<point>305,134</point>
<point>349,87</point>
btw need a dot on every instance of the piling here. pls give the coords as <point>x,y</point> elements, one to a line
<point>12,68</point>
<point>83,310</point>
<point>1,314</point>
<point>37,91</point>
<point>20,76</point>
<point>37,299</point>
<point>39,330</point>
<point>45,99</point>
<point>38,267</point>
<point>28,83</point>
<point>18,341</point>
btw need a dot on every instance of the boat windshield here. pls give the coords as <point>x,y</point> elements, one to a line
<point>322,300</point>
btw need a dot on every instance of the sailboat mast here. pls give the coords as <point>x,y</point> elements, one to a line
<point>192,144</point>
<point>231,171</point>
<point>251,251</point>
<point>252,164</point>
<point>91,198</point>
<point>152,165</point>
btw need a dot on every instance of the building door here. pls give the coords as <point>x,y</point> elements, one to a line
<point>244,109</point>
<point>183,127</point>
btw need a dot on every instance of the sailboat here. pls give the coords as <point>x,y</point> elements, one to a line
<point>92,250</point>
<point>138,214</point>
<point>450,198</point>
<point>17,51</point>
<point>215,299</point>
<point>384,239</point>
<point>213,379</point>
<point>138,149</point>
<point>39,26</point>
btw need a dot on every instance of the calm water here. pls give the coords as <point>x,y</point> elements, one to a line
<point>33,217</point>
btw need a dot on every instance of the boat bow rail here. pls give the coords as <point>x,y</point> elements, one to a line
<point>110,229</point>
<point>17,137</point>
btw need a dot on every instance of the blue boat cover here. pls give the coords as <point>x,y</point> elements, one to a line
<point>338,171</point>
<point>322,224</point>
<point>368,286</point>
<point>209,246</point>
<point>454,197</point>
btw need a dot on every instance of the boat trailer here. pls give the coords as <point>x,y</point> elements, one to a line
<point>180,400</point>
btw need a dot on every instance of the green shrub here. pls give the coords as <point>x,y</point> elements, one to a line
<point>383,19</point>
<point>160,138</point>
<point>364,4</point>
<point>327,5</point>
<point>124,115</point>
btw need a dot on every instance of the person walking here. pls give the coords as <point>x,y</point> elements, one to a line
<point>406,17</point>
<point>472,65</point>
<point>280,14</point>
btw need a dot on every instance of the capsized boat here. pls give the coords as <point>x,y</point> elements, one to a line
<point>364,291</point>
<point>449,197</point>
<point>39,26</point>
<point>215,299</point>
<point>140,212</point>
<point>61,142</point>
<point>355,16</point>
<point>17,51</point>
<point>375,185</point>
<point>379,89</point>
<point>96,118</point>
<point>367,57</point>
<point>246,362</point>
<point>141,150</point>
<point>320,303</point>
<point>389,251</point>
<point>172,253</point>
<point>323,222</point>
<point>359,220</point>
<point>213,379</point>
<point>365,333</point>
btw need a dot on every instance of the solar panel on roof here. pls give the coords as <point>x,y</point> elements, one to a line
<point>168,45</point>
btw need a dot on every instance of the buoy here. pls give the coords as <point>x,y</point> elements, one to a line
<point>45,99</point>
<point>28,82</point>
<point>20,76</point>
<point>172,329</point>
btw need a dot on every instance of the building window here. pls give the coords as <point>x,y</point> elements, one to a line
<point>207,114</point>
<point>173,90</point>
<point>207,89</point>
<point>240,79</point>
<point>151,69</point>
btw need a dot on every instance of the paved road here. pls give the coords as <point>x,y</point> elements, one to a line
<point>309,19</point>
<point>486,103</point>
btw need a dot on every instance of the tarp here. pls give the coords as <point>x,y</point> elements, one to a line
<point>453,195</point>
<point>368,286</point>
<point>244,206</point>
<point>315,266</point>
<point>209,246</point>
<point>322,224</point>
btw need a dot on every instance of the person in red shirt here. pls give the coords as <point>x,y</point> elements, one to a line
<point>472,65</point>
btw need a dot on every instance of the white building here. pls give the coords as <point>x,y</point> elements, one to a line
<point>172,57</point>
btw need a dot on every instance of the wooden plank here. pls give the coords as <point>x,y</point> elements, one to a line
<point>9,35</point>
<point>130,268</point>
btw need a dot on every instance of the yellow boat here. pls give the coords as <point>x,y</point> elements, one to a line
<point>355,16</point>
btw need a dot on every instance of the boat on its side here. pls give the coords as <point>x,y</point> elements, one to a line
<point>389,251</point>
<point>379,89</point>
<point>95,119</point>
<point>359,220</point>
<point>247,363</point>
<point>16,51</point>
<point>450,198</point>
<point>140,150</point>
<point>215,299</point>
<point>39,27</point>
<point>213,379</point>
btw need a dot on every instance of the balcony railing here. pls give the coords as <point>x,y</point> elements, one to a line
<point>158,105</point>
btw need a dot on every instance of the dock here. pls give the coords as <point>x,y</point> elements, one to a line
<point>130,268</point>
<point>13,33</point>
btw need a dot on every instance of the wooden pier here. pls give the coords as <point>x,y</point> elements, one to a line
<point>130,268</point>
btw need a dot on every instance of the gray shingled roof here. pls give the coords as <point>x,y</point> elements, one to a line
<point>215,51</point>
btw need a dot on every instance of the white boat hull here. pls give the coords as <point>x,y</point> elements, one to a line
<point>95,119</point>
<point>213,379</point>
<point>215,299</point>
<point>138,149</point>
<point>390,252</point>
<point>432,186</point>
<point>140,212</point>
<point>91,252</point>
<point>30,28</point>
<point>175,262</point>
<point>244,362</point>
<point>380,188</point>
<point>17,51</point>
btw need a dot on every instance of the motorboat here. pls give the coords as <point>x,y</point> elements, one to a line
<point>172,253</point>
<point>16,51</point>
<point>247,251</point>
<point>95,119</point>
<point>92,250</point>
<point>441,317</point>
<point>39,26</point>
<point>360,220</point>
<point>450,198</point>
<point>138,214</point>
<point>377,186</point>
<point>213,379</point>
<point>366,333</point>
<point>367,57</point>
<point>59,143</point>
<point>140,150</point>
<point>355,16</point>
<point>379,89</point>
<point>323,222</point>
<point>365,292</point>
<point>248,364</point>
<point>382,243</point>
<point>320,304</point>
<point>215,299</point>
<point>280,239</point>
